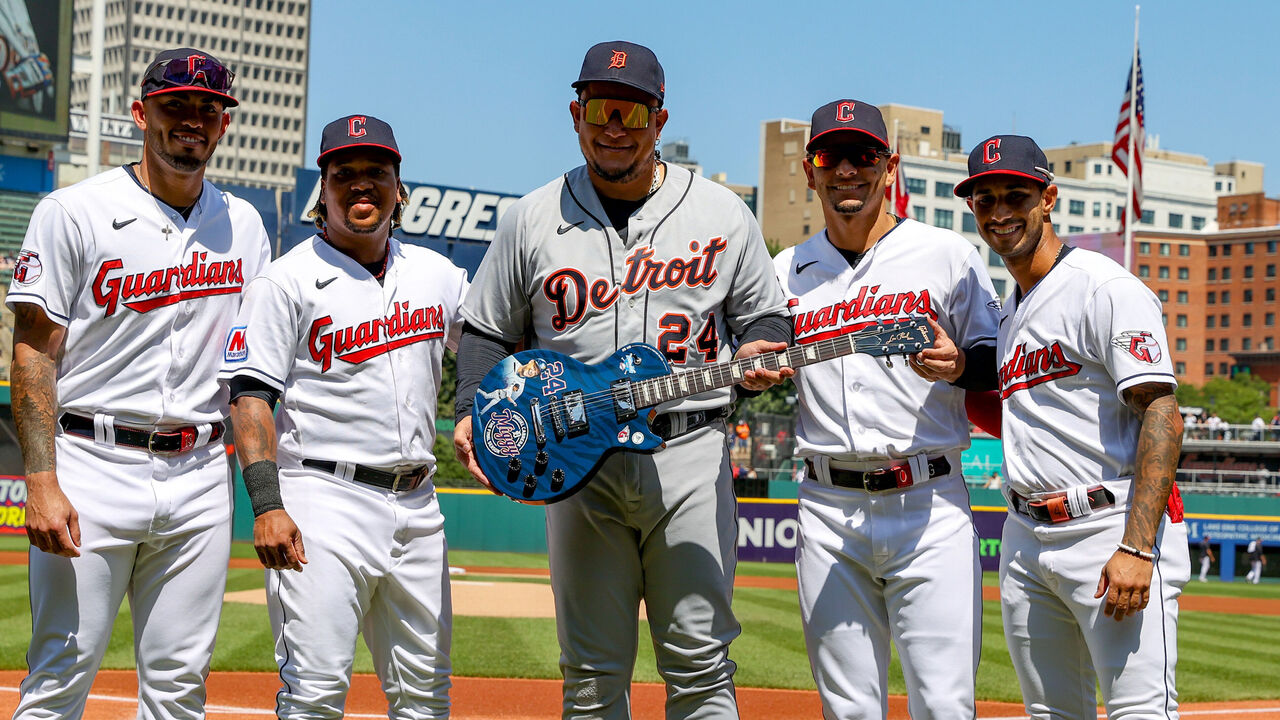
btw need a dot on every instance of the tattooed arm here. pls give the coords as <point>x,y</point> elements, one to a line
<point>1126,579</point>
<point>52,523</point>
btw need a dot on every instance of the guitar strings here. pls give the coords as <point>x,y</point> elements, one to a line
<point>606,398</point>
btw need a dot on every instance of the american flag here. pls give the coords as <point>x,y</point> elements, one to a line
<point>1120,151</point>
<point>898,193</point>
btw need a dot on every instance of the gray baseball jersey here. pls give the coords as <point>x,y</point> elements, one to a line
<point>690,273</point>
<point>685,282</point>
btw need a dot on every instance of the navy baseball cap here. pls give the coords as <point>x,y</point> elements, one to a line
<point>187,70</point>
<point>1006,155</point>
<point>847,116</point>
<point>357,131</point>
<point>623,62</point>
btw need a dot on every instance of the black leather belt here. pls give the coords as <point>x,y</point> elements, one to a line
<point>886,478</point>
<point>170,441</point>
<point>663,425</point>
<point>1053,508</point>
<point>395,482</point>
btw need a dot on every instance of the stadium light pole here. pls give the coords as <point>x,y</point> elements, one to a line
<point>97,34</point>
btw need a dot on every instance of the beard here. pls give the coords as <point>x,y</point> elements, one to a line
<point>625,175</point>
<point>181,163</point>
<point>850,207</point>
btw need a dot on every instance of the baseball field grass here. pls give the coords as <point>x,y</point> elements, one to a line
<point>1221,656</point>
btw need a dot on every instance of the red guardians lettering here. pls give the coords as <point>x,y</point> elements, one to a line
<point>145,291</point>
<point>375,337</point>
<point>570,291</point>
<point>1028,368</point>
<point>864,309</point>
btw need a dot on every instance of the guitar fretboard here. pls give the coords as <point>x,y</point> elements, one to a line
<point>900,337</point>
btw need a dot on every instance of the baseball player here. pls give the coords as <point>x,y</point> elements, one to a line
<point>887,550</point>
<point>1257,561</point>
<point>629,249</point>
<point>348,331</point>
<point>1092,437</point>
<point>124,282</point>
<point>1206,557</point>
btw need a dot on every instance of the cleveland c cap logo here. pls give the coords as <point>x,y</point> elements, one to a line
<point>355,126</point>
<point>991,151</point>
<point>196,74</point>
<point>619,60</point>
<point>844,112</point>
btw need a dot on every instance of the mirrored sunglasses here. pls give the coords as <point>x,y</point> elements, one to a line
<point>859,157</point>
<point>198,71</point>
<point>634,115</point>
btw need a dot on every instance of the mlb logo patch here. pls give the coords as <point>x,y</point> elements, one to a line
<point>28,268</point>
<point>237,345</point>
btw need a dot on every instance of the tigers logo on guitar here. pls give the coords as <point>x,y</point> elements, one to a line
<point>505,433</point>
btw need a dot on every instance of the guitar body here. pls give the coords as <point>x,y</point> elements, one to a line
<point>543,423</point>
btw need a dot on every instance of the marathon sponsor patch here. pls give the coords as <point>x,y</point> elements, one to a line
<point>237,349</point>
<point>28,269</point>
<point>505,433</point>
<point>1140,344</point>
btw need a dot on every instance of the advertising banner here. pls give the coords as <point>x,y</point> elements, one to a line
<point>35,66</point>
<point>13,505</point>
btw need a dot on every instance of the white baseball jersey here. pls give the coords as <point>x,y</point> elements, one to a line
<point>685,282</point>
<point>855,407</point>
<point>1067,351</point>
<point>118,268</point>
<point>357,362</point>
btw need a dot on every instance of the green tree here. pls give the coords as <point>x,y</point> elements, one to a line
<point>1237,400</point>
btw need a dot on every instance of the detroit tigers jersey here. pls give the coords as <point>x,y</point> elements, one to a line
<point>142,293</point>
<point>689,276</point>
<point>1067,351</point>
<point>855,407</point>
<point>319,328</point>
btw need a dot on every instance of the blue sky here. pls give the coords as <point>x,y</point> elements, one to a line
<point>478,91</point>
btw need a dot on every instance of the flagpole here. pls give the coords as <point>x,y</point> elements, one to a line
<point>1133,131</point>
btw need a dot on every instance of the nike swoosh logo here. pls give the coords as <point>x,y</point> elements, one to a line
<point>117,224</point>
<point>322,285</point>
<point>566,228</point>
<point>800,268</point>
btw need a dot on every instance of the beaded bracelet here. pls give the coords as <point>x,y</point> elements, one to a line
<point>1129,549</point>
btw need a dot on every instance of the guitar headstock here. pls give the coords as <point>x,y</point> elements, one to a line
<point>900,337</point>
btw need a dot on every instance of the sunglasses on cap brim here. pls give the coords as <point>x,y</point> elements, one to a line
<point>198,71</point>
<point>859,157</point>
<point>634,115</point>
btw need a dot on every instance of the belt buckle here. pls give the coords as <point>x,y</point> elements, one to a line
<point>1055,506</point>
<point>901,476</point>
<point>186,440</point>
<point>413,476</point>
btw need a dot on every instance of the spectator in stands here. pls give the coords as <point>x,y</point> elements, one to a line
<point>1256,561</point>
<point>1259,426</point>
<point>1275,426</point>
<point>994,482</point>
<point>1216,426</point>
<point>1191,426</point>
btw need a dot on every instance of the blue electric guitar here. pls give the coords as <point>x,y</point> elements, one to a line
<point>544,422</point>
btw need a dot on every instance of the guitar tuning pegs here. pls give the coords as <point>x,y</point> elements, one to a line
<point>888,361</point>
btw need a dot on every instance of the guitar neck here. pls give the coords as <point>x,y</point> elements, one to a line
<point>684,383</point>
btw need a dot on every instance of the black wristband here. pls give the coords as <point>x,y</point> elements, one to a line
<point>262,480</point>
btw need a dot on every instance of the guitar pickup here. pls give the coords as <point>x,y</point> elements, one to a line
<point>624,400</point>
<point>535,414</point>
<point>575,411</point>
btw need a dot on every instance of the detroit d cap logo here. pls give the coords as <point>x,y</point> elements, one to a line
<point>619,59</point>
